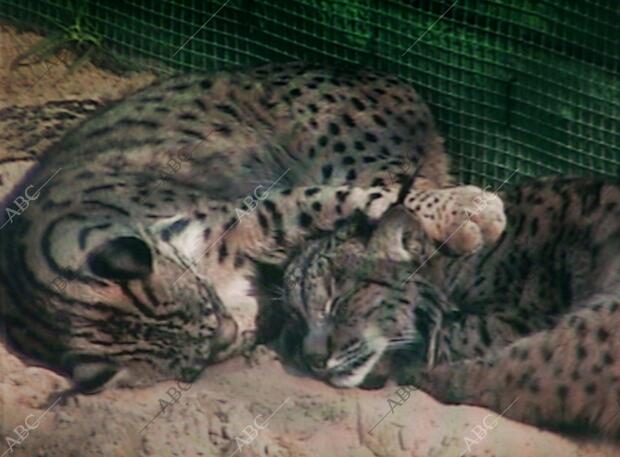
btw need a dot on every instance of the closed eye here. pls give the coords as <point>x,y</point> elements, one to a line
<point>339,299</point>
<point>332,304</point>
<point>327,309</point>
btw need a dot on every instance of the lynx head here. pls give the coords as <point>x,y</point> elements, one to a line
<point>355,298</point>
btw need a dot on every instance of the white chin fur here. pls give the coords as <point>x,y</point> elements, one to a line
<point>357,377</point>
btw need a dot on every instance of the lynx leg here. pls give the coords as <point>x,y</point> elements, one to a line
<point>461,218</point>
<point>556,378</point>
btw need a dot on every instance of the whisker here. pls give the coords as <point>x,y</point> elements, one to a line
<point>351,350</point>
<point>351,361</point>
<point>346,361</point>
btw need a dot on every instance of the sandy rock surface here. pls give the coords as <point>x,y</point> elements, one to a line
<point>253,407</point>
<point>250,406</point>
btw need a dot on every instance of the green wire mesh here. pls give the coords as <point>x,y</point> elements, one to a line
<point>519,87</point>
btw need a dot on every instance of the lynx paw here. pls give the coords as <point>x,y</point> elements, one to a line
<point>461,218</point>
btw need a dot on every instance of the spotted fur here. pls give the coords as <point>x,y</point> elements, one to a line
<point>134,260</point>
<point>529,322</point>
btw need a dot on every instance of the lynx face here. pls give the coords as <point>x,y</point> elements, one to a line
<point>353,309</point>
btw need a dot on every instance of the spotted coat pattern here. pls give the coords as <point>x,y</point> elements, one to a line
<point>136,260</point>
<point>526,325</point>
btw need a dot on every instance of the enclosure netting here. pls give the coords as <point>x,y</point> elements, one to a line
<point>518,87</point>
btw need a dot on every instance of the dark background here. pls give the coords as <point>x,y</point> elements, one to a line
<point>519,87</point>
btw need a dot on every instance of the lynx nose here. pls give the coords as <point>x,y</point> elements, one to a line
<point>317,362</point>
<point>316,348</point>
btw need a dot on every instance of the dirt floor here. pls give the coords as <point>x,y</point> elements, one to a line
<point>247,406</point>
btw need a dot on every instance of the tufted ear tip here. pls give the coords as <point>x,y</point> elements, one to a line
<point>122,259</point>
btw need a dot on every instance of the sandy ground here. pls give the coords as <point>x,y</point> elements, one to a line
<point>248,406</point>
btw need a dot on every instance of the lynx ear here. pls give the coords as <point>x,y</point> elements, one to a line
<point>122,259</point>
<point>398,237</point>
